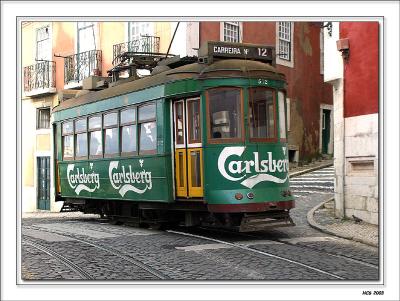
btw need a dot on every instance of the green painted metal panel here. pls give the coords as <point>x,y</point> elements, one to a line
<point>111,103</point>
<point>182,87</point>
<point>145,178</point>
<point>244,82</point>
<point>260,169</point>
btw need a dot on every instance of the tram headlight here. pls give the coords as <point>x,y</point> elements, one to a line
<point>250,195</point>
<point>238,196</point>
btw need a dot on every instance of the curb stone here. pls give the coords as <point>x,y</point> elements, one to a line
<point>311,221</point>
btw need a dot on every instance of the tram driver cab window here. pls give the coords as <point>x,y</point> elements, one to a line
<point>225,114</point>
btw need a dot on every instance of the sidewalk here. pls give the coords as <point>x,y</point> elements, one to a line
<point>322,218</point>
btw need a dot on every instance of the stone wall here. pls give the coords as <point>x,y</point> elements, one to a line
<point>361,168</point>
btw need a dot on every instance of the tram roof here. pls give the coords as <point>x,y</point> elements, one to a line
<point>229,68</point>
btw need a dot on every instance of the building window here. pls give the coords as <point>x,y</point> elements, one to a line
<point>136,30</point>
<point>147,129</point>
<point>43,50</point>
<point>285,40</point>
<point>231,32</point>
<point>86,37</point>
<point>43,118</point>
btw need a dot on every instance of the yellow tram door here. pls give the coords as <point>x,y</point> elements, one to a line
<point>188,149</point>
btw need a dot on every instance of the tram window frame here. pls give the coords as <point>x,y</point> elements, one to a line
<point>69,134</point>
<point>95,129</point>
<point>126,124</point>
<point>284,115</point>
<point>104,130</point>
<point>274,99</point>
<point>139,128</point>
<point>241,136</point>
<point>79,132</point>
<point>189,119</point>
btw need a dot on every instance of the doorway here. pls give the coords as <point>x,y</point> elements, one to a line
<point>43,184</point>
<point>188,148</point>
<point>326,121</point>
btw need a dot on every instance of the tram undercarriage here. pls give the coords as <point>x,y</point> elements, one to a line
<point>188,214</point>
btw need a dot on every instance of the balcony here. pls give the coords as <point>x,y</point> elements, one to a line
<point>40,78</point>
<point>80,66</point>
<point>146,45</point>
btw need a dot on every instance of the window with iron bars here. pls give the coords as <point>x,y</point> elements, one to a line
<point>285,40</point>
<point>232,32</point>
<point>43,118</point>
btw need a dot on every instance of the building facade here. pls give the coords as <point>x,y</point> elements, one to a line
<point>56,58</point>
<point>299,48</point>
<point>352,68</point>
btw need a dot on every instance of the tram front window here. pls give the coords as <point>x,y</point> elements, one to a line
<point>225,114</point>
<point>262,114</point>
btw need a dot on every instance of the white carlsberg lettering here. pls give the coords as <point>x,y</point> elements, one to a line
<point>255,171</point>
<point>80,180</point>
<point>122,180</point>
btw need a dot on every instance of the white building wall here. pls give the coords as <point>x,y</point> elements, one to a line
<point>361,167</point>
<point>333,62</point>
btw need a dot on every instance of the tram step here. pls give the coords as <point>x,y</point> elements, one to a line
<point>258,223</point>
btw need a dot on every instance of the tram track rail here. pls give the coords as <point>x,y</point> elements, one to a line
<point>299,246</point>
<point>234,245</point>
<point>68,263</point>
<point>117,253</point>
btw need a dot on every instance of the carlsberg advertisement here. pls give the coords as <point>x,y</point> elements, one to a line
<point>133,178</point>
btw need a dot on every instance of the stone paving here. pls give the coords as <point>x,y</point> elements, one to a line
<point>324,219</point>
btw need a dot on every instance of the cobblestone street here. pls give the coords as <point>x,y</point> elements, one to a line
<point>74,246</point>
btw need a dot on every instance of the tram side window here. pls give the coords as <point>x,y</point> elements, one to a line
<point>128,131</point>
<point>282,119</point>
<point>262,114</point>
<point>225,114</point>
<point>68,140</point>
<point>147,129</point>
<point>110,125</point>
<point>95,141</point>
<point>81,138</point>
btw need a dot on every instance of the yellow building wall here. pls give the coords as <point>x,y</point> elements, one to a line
<point>43,142</point>
<point>111,33</point>
<point>164,31</point>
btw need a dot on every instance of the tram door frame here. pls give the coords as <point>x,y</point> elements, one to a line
<point>189,179</point>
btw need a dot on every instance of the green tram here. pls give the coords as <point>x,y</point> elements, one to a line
<point>204,143</point>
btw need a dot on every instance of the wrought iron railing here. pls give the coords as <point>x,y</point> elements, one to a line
<point>82,65</point>
<point>145,45</point>
<point>40,76</point>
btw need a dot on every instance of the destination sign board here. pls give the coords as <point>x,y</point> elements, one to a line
<point>238,50</point>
